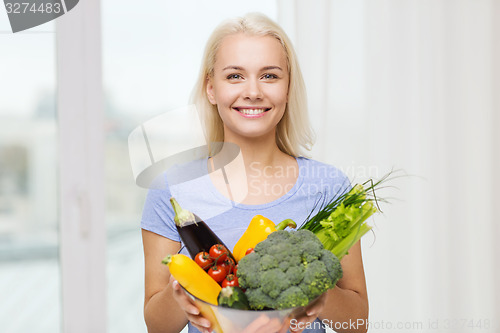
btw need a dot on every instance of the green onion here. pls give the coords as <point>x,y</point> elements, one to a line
<point>341,222</point>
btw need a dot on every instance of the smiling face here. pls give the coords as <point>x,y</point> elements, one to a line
<point>249,85</point>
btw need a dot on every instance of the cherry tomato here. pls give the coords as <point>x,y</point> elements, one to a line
<point>230,281</point>
<point>228,264</point>
<point>217,273</point>
<point>250,250</point>
<point>203,260</point>
<point>218,253</point>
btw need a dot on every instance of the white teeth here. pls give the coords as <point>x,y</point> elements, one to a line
<point>252,111</point>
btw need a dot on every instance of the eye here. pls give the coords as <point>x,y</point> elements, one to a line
<point>233,77</point>
<point>269,76</point>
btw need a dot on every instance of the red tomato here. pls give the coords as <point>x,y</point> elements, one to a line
<point>203,260</point>
<point>235,270</point>
<point>228,264</point>
<point>250,250</point>
<point>230,281</point>
<point>217,273</point>
<point>218,253</point>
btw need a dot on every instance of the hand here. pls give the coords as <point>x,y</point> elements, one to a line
<point>263,324</point>
<point>312,312</point>
<point>188,306</point>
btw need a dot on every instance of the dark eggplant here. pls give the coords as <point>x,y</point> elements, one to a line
<point>195,233</point>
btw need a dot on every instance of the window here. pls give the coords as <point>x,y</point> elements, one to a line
<point>29,239</point>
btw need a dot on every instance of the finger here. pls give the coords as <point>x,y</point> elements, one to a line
<point>314,309</point>
<point>313,313</point>
<point>256,324</point>
<point>263,324</point>
<point>302,323</point>
<point>190,308</point>
<point>198,320</point>
<point>307,319</point>
<point>285,326</point>
<point>274,325</point>
<point>296,330</point>
<point>185,302</point>
<point>201,328</point>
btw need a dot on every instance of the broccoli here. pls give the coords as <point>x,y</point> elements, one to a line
<point>260,300</point>
<point>316,279</point>
<point>287,269</point>
<point>332,264</point>
<point>273,282</point>
<point>291,297</point>
<point>295,274</point>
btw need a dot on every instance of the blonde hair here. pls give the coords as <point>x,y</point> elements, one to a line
<point>293,133</point>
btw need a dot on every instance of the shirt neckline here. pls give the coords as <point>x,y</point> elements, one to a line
<point>219,196</point>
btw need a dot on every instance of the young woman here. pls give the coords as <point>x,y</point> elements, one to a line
<point>251,96</point>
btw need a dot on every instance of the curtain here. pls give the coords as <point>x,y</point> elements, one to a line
<point>414,85</point>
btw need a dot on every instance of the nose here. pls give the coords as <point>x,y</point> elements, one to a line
<point>253,90</point>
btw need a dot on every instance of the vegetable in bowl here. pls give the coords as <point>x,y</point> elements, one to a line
<point>288,269</point>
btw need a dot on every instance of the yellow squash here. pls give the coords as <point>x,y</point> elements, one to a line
<point>193,278</point>
<point>259,228</point>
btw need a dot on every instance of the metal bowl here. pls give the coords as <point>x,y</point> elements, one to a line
<point>227,320</point>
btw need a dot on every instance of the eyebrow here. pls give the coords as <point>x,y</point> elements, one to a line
<point>238,68</point>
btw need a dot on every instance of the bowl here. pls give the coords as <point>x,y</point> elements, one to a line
<point>227,320</point>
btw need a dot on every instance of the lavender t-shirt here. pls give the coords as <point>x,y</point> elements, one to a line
<point>190,184</point>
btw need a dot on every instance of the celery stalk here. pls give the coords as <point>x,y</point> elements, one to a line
<point>340,223</point>
<point>345,244</point>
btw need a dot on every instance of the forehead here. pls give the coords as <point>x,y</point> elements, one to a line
<point>250,52</point>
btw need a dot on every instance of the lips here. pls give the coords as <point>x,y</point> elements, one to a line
<point>251,111</point>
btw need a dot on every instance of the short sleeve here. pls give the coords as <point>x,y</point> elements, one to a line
<point>338,183</point>
<point>158,214</point>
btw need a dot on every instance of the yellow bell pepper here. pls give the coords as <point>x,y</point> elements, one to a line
<point>259,228</point>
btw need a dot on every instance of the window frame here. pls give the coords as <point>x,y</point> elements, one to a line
<point>82,229</point>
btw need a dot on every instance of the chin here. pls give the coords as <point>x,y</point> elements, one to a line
<point>252,134</point>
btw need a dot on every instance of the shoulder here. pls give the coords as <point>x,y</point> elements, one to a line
<point>171,180</point>
<point>314,169</point>
<point>326,176</point>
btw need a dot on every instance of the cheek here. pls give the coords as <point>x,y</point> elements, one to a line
<point>227,94</point>
<point>280,94</point>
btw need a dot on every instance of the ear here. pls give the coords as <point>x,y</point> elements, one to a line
<point>210,91</point>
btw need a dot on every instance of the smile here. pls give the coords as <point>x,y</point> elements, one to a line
<point>252,112</point>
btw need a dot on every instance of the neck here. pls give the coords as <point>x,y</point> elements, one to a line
<point>258,150</point>
<point>249,166</point>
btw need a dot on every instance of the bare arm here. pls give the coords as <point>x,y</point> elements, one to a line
<point>167,308</point>
<point>348,301</point>
<point>161,313</point>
